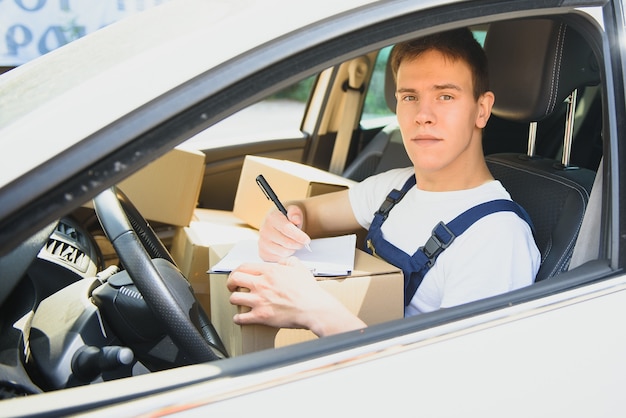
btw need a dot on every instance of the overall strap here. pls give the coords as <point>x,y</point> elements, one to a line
<point>444,234</point>
<point>381,214</point>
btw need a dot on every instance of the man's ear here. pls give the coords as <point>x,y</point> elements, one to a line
<point>485,103</point>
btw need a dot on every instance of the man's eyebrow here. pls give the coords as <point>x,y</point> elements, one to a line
<point>445,86</point>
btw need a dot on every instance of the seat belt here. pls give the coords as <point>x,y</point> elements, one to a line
<point>587,245</point>
<point>354,87</point>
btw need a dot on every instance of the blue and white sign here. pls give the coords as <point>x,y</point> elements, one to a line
<point>30,28</point>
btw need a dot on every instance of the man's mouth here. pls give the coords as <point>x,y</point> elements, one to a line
<point>425,139</point>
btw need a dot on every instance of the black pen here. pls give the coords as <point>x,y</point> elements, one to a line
<point>269,193</point>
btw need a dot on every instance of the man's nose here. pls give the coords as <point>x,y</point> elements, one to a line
<point>424,113</point>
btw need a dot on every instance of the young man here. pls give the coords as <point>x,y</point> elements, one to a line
<point>443,103</point>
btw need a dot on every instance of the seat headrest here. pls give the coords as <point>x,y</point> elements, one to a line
<point>534,64</point>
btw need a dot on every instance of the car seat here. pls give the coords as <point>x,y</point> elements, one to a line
<point>534,66</point>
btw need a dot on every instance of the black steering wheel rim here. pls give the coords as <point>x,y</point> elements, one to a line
<point>149,239</point>
<point>131,248</point>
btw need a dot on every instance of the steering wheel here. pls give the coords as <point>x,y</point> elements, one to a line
<point>166,291</point>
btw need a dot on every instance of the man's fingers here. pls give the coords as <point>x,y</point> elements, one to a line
<point>298,236</point>
<point>291,261</point>
<point>242,297</point>
<point>243,277</point>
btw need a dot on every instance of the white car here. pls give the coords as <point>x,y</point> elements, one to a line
<point>202,76</point>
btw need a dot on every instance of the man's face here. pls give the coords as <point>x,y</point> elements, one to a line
<point>439,118</point>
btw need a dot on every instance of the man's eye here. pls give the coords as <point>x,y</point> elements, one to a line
<point>445,97</point>
<point>409,98</point>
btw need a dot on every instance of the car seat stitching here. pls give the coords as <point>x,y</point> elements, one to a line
<point>547,252</point>
<point>556,69</point>
<point>567,255</point>
<point>573,185</point>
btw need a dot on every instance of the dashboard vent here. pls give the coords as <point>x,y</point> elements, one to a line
<point>65,251</point>
<point>67,244</point>
<point>69,231</point>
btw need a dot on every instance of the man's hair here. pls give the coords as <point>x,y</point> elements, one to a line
<point>455,44</point>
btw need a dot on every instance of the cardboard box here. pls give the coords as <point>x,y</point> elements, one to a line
<point>167,190</point>
<point>290,181</point>
<point>190,247</point>
<point>374,292</point>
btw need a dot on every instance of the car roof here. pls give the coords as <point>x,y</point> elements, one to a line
<point>50,104</point>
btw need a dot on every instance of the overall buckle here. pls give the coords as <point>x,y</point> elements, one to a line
<point>440,239</point>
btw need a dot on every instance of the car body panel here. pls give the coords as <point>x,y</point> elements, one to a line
<point>483,367</point>
<point>477,359</point>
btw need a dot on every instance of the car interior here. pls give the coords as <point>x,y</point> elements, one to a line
<point>544,135</point>
<point>543,142</point>
<point>554,192</point>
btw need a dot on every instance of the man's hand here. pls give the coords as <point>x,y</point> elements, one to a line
<point>286,295</point>
<point>280,236</point>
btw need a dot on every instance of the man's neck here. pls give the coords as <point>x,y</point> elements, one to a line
<point>467,176</point>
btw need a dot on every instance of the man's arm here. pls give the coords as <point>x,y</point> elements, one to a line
<point>328,214</point>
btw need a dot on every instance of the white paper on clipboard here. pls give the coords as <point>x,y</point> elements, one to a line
<point>332,256</point>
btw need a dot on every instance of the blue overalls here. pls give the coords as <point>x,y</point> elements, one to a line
<point>416,266</point>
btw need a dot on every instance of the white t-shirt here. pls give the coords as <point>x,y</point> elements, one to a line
<point>493,256</point>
